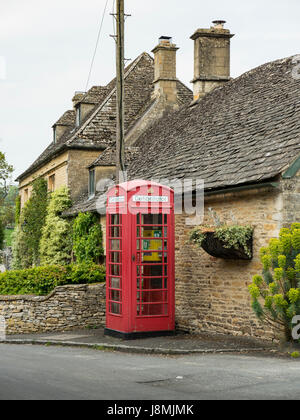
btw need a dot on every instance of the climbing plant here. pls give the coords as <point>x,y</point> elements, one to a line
<point>276,293</point>
<point>1,234</point>
<point>56,240</point>
<point>87,238</point>
<point>29,223</point>
<point>18,210</point>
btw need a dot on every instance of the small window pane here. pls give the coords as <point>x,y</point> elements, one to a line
<point>152,232</point>
<point>152,244</point>
<point>115,232</point>
<point>115,270</point>
<point>115,257</point>
<point>152,270</point>
<point>115,308</point>
<point>152,284</point>
<point>152,219</point>
<point>115,219</point>
<point>115,283</point>
<point>152,297</point>
<point>115,244</point>
<point>154,257</point>
<point>156,309</point>
<point>92,183</point>
<point>115,295</point>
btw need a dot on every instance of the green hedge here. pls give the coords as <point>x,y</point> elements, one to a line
<point>43,280</point>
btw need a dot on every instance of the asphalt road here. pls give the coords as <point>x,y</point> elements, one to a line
<point>57,373</point>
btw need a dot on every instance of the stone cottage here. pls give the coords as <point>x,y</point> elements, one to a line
<point>84,133</point>
<point>242,137</point>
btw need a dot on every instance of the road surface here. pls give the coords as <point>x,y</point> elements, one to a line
<point>50,373</point>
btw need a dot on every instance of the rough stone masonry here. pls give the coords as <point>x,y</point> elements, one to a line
<point>66,308</point>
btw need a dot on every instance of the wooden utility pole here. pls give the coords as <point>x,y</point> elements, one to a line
<point>120,60</point>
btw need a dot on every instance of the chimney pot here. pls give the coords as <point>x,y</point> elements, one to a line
<point>219,24</point>
<point>165,40</point>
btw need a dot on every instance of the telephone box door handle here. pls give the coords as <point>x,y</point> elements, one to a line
<point>133,258</point>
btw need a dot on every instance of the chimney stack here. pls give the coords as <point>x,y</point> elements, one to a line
<point>211,59</point>
<point>165,80</point>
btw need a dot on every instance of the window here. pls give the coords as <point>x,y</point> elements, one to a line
<point>92,183</point>
<point>51,183</point>
<point>26,195</point>
<point>78,115</point>
<point>54,135</point>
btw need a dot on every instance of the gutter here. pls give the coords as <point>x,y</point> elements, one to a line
<point>208,193</point>
<point>58,152</point>
<point>272,185</point>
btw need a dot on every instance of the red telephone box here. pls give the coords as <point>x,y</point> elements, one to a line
<point>140,291</point>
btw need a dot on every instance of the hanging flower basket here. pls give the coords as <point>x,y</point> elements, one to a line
<point>227,242</point>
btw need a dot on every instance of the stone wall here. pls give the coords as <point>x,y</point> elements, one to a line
<point>66,308</point>
<point>212,293</point>
<point>291,200</point>
<point>78,174</point>
<point>57,167</point>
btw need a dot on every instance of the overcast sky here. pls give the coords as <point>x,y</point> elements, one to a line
<point>46,49</point>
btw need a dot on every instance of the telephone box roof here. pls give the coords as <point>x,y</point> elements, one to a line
<point>132,185</point>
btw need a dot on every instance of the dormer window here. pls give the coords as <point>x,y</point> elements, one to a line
<point>78,115</point>
<point>92,186</point>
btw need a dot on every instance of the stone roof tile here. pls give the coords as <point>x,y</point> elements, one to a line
<point>248,130</point>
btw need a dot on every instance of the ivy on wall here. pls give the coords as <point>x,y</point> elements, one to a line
<point>43,237</point>
<point>87,238</point>
<point>56,240</point>
<point>1,235</point>
<point>29,224</point>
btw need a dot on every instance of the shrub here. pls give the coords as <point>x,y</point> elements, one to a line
<point>42,280</point>
<point>276,293</point>
<point>87,238</point>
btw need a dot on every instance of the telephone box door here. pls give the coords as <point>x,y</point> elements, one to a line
<point>153,272</point>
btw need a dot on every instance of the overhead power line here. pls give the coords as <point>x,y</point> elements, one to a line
<point>96,47</point>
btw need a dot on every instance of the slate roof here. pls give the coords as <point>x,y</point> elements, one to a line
<point>95,95</point>
<point>246,131</point>
<point>98,129</point>
<point>108,157</point>
<point>67,119</point>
